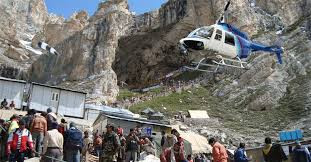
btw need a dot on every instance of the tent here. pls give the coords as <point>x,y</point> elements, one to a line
<point>148,111</point>
<point>198,114</point>
<point>199,144</point>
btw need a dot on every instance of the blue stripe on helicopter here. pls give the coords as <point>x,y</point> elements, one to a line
<point>234,30</point>
<point>238,43</point>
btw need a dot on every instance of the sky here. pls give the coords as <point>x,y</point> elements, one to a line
<point>67,7</point>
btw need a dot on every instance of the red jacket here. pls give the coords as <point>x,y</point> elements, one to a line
<point>166,156</point>
<point>26,140</point>
<point>219,153</point>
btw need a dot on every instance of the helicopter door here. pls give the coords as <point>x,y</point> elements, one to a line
<point>217,42</point>
<point>229,45</point>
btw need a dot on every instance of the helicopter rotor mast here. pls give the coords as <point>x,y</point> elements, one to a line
<point>224,15</point>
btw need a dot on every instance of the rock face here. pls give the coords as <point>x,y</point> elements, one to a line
<point>283,90</point>
<point>56,29</point>
<point>20,21</point>
<point>89,53</point>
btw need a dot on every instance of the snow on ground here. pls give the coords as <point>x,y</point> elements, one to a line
<point>27,45</point>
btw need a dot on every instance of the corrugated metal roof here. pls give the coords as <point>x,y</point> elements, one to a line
<point>138,121</point>
<point>109,110</point>
<point>65,89</point>
<point>198,114</point>
<point>12,80</point>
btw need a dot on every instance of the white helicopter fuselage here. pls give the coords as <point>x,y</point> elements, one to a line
<point>214,38</point>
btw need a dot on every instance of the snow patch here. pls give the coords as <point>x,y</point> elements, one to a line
<point>27,45</point>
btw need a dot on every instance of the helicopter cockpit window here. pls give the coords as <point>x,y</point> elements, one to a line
<point>205,33</point>
<point>218,35</point>
<point>229,39</point>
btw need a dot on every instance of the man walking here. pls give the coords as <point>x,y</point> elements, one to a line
<point>273,153</point>
<point>301,154</point>
<point>38,129</point>
<point>219,152</point>
<point>73,143</point>
<point>111,145</point>
<point>29,118</point>
<point>132,142</point>
<point>53,145</point>
<point>17,144</point>
<point>239,154</point>
<point>51,118</point>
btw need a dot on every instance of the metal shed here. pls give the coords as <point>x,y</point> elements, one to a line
<point>127,123</point>
<point>12,90</point>
<point>62,101</point>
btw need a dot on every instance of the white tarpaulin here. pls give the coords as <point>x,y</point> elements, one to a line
<point>198,114</point>
<point>199,144</point>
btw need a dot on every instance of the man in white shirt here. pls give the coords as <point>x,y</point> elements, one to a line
<point>53,144</point>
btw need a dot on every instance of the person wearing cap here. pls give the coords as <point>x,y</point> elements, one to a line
<point>219,152</point>
<point>18,142</point>
<point>53,144</point>
<point>38,129</point>
<point>301,154</point>
<point>174,153</point>
<point>110,146</point>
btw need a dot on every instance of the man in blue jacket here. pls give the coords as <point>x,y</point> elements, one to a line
<point>239,154</point>
<point>301,154</point>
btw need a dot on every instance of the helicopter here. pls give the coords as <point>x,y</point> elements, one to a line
<point>228,45</point>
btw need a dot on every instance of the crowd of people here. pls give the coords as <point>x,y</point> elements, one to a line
<point>173,151</point>
<point>40,135</point>
<point>35,134</point>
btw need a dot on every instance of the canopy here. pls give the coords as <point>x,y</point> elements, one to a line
<point>198,114</point>
<point>199,144</point>
<point>148,110</point>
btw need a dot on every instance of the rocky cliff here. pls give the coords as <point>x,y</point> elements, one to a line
<point>261,97</point>
<point>87,53</point>
<point>20,21</point>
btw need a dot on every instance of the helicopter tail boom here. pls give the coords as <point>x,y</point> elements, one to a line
<point>275,49</point>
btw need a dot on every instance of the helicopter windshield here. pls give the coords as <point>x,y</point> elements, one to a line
<point>204,32</point>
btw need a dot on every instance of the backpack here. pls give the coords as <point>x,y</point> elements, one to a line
<point>74,139</point>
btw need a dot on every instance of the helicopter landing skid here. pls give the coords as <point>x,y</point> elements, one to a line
<point>224,62</point>
<point>219,61</point>
<point>198,66</point>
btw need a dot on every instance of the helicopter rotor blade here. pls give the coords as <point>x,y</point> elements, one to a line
<point>227,5</point>
<point>223,16</point>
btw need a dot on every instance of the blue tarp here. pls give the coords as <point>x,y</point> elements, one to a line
<point>290,135</point>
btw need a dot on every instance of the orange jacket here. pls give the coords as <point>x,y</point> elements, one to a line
<point>219,153</point>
